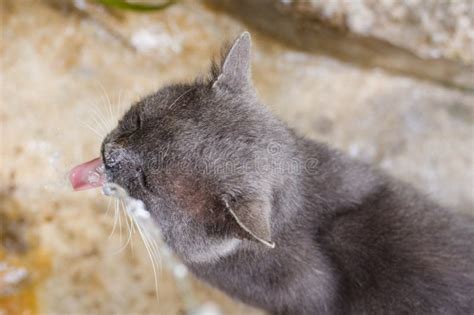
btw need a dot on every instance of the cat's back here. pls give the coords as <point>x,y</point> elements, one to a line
<point>398,252</point>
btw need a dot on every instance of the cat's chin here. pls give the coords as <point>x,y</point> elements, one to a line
<point>213,252</point>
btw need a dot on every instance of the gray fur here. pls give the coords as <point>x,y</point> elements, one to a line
<point>348,238</point>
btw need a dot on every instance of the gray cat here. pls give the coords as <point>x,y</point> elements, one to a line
<point>278,221</point>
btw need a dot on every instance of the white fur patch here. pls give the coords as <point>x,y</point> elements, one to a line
<point>218,249</point>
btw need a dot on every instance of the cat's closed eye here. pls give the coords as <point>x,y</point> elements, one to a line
<point>131,123</point>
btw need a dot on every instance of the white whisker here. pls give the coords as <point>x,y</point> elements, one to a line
<point>108,103</point>
<point>108,206</point>
<point>150,254</point>
<point>179,97</point>
<point>94,130</point>
<point>96,119</point>
<point>119,106</point>
<point>100,110</point>
<point>130,225</point>
<point>127,218</point>
<point>115,219</point>
<point>117,110</point>
<point>101,116</point>
<point>120,225</point>
<point>140,220</point>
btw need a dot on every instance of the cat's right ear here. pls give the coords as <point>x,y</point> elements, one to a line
<point>253,220</point>
<point>235,70</point>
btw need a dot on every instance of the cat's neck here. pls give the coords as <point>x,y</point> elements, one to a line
<point>337,181</point>
<point>326,182</point>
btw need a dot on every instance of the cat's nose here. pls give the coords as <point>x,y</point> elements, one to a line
<point>114,153</point>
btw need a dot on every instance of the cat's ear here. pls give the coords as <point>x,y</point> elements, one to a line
<point>253,218</point>
<point>235,70</point>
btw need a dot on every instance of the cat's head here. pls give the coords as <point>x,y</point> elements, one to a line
<point>204,158</point>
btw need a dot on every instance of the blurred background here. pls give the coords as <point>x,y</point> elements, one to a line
<point>390,82</point>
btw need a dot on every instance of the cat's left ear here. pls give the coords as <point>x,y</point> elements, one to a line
<point>253,219</point>
<point>235,71</point>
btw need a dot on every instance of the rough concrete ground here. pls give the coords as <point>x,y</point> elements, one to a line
<point>58,64</point>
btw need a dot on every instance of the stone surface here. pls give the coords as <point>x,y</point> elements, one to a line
<point>431,40</point>
<point>431,29</point>
<point>61,64</point>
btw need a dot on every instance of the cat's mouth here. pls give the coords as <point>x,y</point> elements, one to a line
<point>88,175</point>
<point>92,174</point>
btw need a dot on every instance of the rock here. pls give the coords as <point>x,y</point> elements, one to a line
<point>430,40</point>
<point>430,29</point>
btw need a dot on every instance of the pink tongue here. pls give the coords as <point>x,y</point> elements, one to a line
<point>87,175</point>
